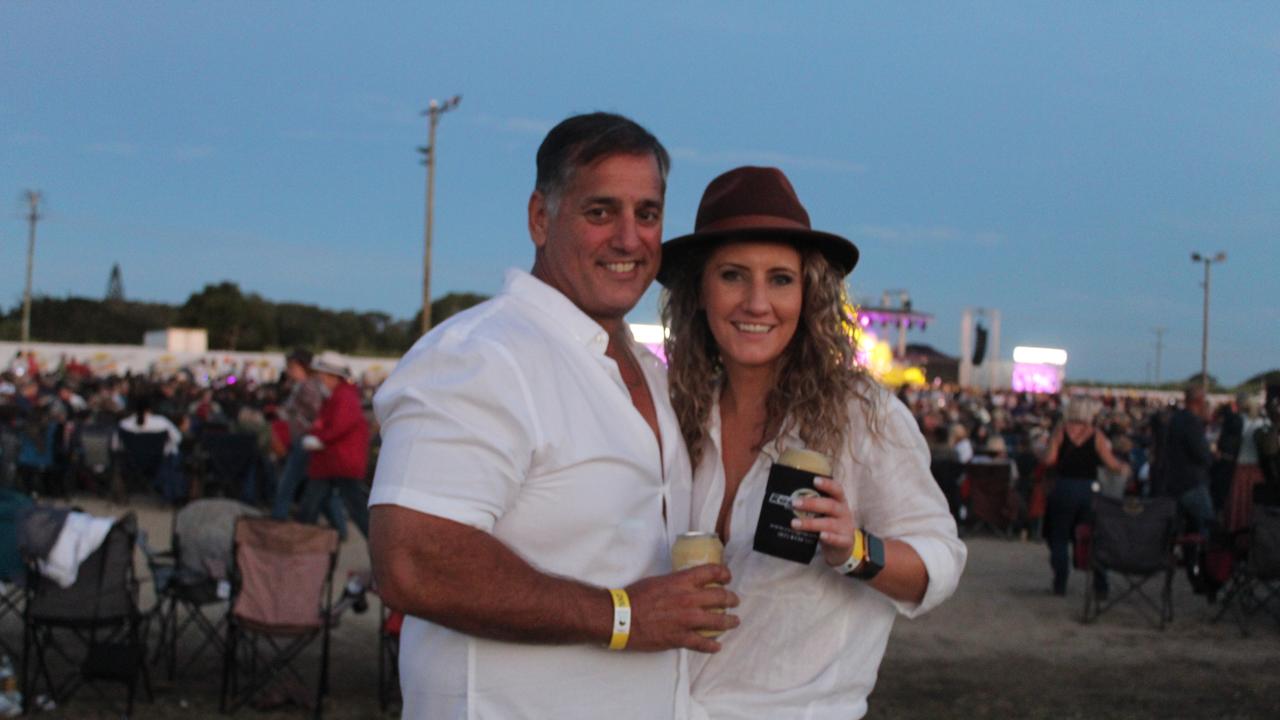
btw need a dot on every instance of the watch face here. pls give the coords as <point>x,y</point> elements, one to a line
<point>875,557</point>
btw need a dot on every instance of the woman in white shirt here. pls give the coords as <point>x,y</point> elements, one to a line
<point>142,420</point>
<point>761,360</point>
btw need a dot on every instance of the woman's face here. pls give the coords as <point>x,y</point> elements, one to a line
<point>752,293</point>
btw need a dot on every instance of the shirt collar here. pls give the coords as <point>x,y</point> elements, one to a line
<point>536,294</point>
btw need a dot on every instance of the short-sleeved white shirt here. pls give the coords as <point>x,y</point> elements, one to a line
<point>510,418</point>
<point>811,640</point>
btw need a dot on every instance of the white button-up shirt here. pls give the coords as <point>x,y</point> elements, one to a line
<point>811,640</point>
<point>510,418</point>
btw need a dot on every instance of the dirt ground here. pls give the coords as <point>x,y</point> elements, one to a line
<point>1002,647</point>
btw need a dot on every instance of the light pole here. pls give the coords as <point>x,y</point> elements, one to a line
<point>1204,342</point>
<point>433,112</point>
<point>32,198</point>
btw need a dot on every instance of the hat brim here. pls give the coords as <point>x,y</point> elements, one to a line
<point>840,252</point>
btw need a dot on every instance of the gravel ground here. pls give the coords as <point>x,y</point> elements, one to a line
<point>1002,647</point>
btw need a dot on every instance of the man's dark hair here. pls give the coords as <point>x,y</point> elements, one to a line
<point>582,139</point>
<point>302,356</point>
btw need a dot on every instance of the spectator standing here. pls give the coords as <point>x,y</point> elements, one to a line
<point>300,412</point>
<point>339,445</point>
<point>1248,472</point>
<point>1186,459</point>
<point>1076,451</point>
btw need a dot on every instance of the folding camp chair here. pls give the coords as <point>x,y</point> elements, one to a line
<point>233,461</point>
<point>12,570</point>
<point>947,474</point>
<point>993,502</point>
<point>37,457</point>
<point>93,454</point>
<point>1133,538</point>
<point>92,630</point>
<point>189,576</point>
<point>282,581</point>
<point>10,445</point>
<point>141,461</point>
<point>1255,581</point>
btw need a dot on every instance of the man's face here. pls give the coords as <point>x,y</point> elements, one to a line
<point>295,371</point>
<point>601,245</point>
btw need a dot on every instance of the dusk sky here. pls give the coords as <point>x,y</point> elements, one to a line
<point>1056,161</point>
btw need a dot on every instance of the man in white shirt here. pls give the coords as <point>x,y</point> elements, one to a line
<point>532,476</point>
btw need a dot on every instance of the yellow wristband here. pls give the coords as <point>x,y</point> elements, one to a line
<point>856,555</point>
<point>621,619</point>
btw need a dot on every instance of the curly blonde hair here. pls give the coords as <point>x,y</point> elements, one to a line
<point>817,375</point>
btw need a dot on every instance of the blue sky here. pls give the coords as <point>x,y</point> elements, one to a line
<point>1057,161</point>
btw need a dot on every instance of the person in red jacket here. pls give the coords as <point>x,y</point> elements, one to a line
<point>339,445</point>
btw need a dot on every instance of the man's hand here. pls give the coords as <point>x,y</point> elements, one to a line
<point>667,611</point>
<point>312,443</point>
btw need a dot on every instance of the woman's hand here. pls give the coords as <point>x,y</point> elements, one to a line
<point>834,521</point>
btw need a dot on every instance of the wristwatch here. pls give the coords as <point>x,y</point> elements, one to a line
<point>867,559</point>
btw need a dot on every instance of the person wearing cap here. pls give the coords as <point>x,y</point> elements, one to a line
<point>299,412</point>
<point>762,361</point>
<point>532,477</point>
<point>339,444</point>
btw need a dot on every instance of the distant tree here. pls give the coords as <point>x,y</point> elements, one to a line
<point>234,321</point>
<point>88,320</point>
<point>1270,377</point>
<point>446,307</point>
<point>1214,385</point>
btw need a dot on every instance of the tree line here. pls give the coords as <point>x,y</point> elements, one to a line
<point>235,320</point>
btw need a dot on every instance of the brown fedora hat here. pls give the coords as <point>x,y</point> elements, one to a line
<point>754,203</point>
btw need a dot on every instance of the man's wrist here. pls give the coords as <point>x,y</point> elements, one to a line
<point>621,619</point>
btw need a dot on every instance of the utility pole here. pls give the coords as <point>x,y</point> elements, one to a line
<point>1204,341</point>
<point>433,112</point>
<point>32,198</point>
<point>1159,350</point>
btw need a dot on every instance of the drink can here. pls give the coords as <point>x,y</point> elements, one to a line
<point>698,548</point>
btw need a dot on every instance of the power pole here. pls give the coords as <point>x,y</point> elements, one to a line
<point>433,112</point>
<point>1159,350</point>
<point>1204,338</point>
<point>32,198</point>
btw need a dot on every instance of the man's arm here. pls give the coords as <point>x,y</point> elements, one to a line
<point>465,579</point>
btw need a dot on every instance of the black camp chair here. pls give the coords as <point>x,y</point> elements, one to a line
<point>1254,586</point>
<point>947,473</point>
<point>141,460</point>
<point>1133,538</point>
<point>233,461</point>
<point>993,502</point>
<point>90,631</point>
<point>12,570</point>
<point>92,455</point>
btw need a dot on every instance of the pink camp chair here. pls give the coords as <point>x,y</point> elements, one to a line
<point>281,602</point>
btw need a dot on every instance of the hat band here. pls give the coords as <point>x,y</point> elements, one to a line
<point>752,222</point>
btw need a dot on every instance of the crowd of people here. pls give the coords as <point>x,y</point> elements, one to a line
<point>313,449</point>
<point>1065,449</point>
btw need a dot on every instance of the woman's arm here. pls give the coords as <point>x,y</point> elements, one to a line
<point>1055,445</point>
<point>1108,458</point>
<point>904,577</point>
